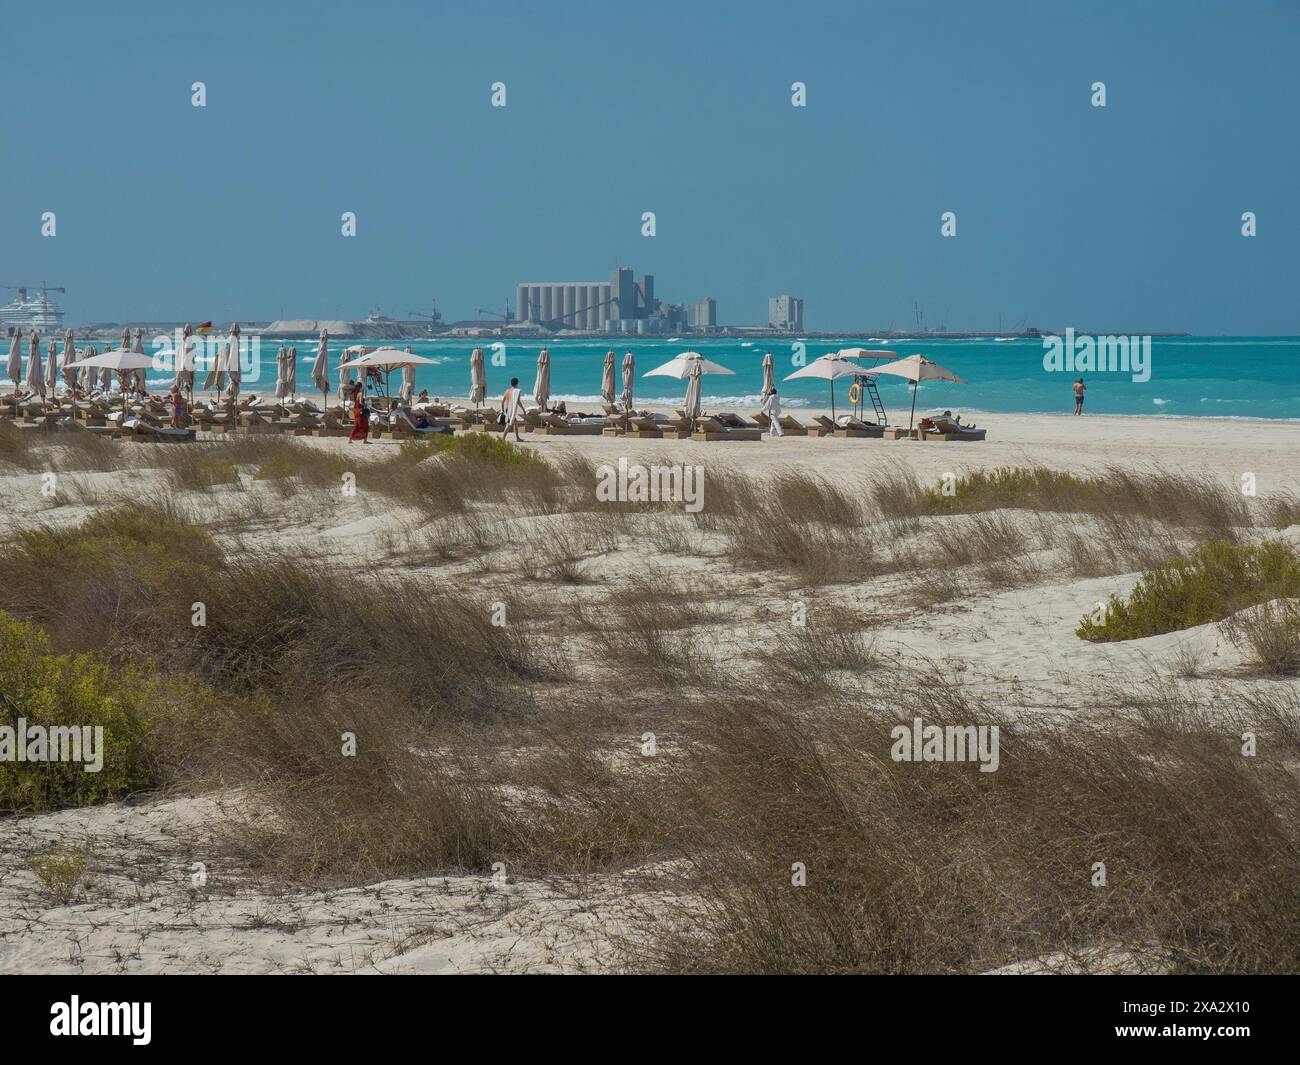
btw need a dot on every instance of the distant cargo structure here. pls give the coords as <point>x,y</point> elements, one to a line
<point>785,313</point>
<point>623,304</point>
<point>703,314</point>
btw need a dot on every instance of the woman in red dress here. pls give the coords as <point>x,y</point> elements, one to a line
<point>360,415</point>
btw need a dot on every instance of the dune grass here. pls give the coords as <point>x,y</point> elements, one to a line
<point>1218,580</point>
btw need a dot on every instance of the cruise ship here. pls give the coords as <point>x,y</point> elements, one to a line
<point>38,312</point>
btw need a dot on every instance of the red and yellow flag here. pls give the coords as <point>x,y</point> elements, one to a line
<point>206,327</point>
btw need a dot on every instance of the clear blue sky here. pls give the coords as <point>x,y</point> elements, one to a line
<point>1127,217</point>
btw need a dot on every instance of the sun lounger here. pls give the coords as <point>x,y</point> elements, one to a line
<point>710,429</point>
<point>939,427</point>
<point>554,425</point>
<point>789,425</point>
<point>142,430</point>
<point>848,428</point>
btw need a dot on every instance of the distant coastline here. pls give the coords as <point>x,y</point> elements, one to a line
<point>301,328</point>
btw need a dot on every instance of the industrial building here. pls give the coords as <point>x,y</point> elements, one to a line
<point>704,314</point>
<point>785,313</point>
<point>616,305</point>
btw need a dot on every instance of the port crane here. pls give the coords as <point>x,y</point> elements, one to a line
<point>42,286</point>
<point>507,317</point>
<point>435,317</point>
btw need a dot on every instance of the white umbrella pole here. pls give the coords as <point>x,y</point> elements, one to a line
<point>912,417</point>
<point>832,399</point>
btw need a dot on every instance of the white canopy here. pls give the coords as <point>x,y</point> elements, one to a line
<point>681,366</point>
<point>916,368</point>
<point>388,357</point>
<point>119,359</point>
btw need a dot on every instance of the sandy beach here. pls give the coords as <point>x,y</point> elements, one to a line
<point>1004,633</point>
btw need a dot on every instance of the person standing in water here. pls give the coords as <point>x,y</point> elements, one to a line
<point>1079,389</point>
<point>510,410</point>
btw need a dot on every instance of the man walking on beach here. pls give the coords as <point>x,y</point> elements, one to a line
<point>1079,389</point>
<point>510,410</point>
<point>772,408</point>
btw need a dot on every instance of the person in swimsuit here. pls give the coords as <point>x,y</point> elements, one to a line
<point>1079,389</point>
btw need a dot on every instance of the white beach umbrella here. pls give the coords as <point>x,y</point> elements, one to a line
<point>14,369</point>
<point>769,377</point>
<point>320,369</point>
<point>682,366</point>
<point>281,372</point>
<point>629,375</point>
<point>184,359</point>
<point>916,368</point>
<point>390,359</point>
<point>346,376</point>
<point>230,364</point>
<point>607,378</point>
<point>121,361</point>
<point>691,405</point>
<point>35,379</point>
<point>477,378</point>
<point>689,365</point>
<point>408,380</point>
<point>542,385</point>
<point>52,367</point>
<point>69,356</point>
<point>138,348</point>
<point>829,368</point>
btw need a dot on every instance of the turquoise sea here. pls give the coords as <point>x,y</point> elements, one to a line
<point>1220,377</point>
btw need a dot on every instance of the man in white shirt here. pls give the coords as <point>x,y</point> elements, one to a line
<point>772,408</point>
<point>510,409</point>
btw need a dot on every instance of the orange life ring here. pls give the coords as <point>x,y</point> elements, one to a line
<point>855,393</point>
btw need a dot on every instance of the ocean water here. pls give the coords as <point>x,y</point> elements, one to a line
<point>1221,377</point>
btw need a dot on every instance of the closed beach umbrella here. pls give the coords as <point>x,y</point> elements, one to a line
<point>477,378</point>
<point>138,348</point>
<point>629,375</point>
<point>52,367</point>
<point>345,376</point>
<point>281,372</point>
<point>916,368</point>
<point>692,403</point>
<point>830,368</point>
<point>215,381</point>
<point>320,369</point>
<point>15,366</point>
<point>184,379</point>
<point>35,379</point>
<point>769,377</point>
<point>408,379</point>
<point>69,356</point>
<point>231,365</point>
<point>607,379</point>
<point>293,369</point>
<point>542,386</point>
<point>105,375</point>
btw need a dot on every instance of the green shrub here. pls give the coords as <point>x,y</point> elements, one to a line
<point>74,691</point>
<point>1216,582</point>
<point>480,447</point>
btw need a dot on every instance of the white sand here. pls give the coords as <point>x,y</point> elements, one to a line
<point>1017,648</point>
